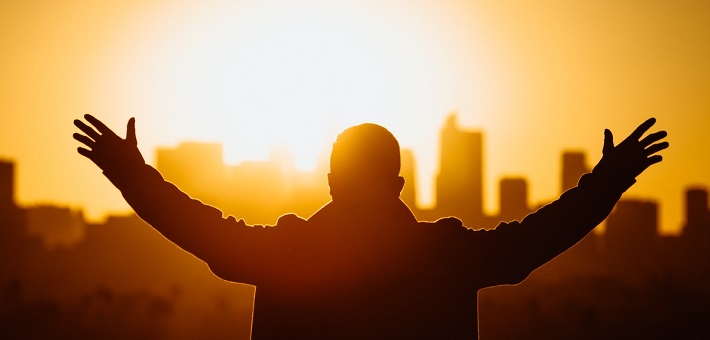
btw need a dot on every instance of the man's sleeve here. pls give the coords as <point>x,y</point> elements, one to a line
<point>233,250</point>
<point>514,249</point>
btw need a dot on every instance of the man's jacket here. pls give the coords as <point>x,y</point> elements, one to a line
<point>369,271</point>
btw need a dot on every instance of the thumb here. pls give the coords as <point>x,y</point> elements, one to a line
<point>131,132</point>
<point>608,142</point>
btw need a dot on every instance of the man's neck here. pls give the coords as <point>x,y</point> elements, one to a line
<point>386,209</point>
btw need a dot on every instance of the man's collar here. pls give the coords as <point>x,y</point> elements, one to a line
<point>393,210</point>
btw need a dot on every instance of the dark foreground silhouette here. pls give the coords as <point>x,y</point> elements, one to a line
<point>363,267</point>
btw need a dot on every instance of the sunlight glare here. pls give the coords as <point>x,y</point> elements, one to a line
<point>264,75</point>
<point>294,77</point>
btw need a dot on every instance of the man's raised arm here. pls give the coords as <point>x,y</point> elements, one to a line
<point>524,246</point>
<point>196,227</point>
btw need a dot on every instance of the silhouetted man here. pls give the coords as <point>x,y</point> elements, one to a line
<point>362,267</point>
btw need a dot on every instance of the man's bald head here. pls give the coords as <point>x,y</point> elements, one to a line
<point>365,158</point>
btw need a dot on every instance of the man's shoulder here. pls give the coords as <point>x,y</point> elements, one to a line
<point>453,230</point>
<point>291,220</point>
<point>443,229</point>
<point>449,223</point>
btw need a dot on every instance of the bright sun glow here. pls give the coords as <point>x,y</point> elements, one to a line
<point>254,75</point>
<point>294,76</point>
<point>257,76</point>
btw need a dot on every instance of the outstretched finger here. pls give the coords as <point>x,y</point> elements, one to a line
<point>86,129</point>
<point>653,160</point>
<point>652,138</point>
<point>98,124</point>
<point>131,132</point>
<point>86,153</point>
<point>608,142</point>
<point>650,161</point>
<point>86,140</point>
<point>655,148</point>
<point>641,129</point>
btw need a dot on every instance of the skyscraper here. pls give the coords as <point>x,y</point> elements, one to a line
<point>513,199</point>
<point>573,167</point>
<point>7,187</point>
<point>11,217</point>
<point>459,184</point>
<point>697,215</point>
<point>197,168</point>
<point>631,238</point>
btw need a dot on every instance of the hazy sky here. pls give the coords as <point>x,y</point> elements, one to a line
<point>537,77</point>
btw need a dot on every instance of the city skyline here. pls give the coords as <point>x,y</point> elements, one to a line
<point>250,85</point>
<point>58,265</point>
<point>537,78</point>
<point>199,169</point>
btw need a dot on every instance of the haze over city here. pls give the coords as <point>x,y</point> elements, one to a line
<point>259,89</point>
<point>537,79</point>
<point>63,275</point>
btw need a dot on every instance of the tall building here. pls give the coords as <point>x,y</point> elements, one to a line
<point>573,167</point>
<point>197,168</point>
<point>513,199</point>
<point>7,187</point>
<point>258,191</point>
<point>58,227</point>
<point>631,238</point>
<point>12,224</point>
<point>697,215</point>
<point>459,183</point>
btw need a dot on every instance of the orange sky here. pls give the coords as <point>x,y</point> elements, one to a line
<point>537,77</point>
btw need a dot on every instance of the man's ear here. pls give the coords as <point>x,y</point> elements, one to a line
<point>400,184</point>
<point>332,183</point>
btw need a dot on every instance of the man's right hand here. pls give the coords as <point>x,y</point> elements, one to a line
<point>633,155</point>
<point>107,150</point>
